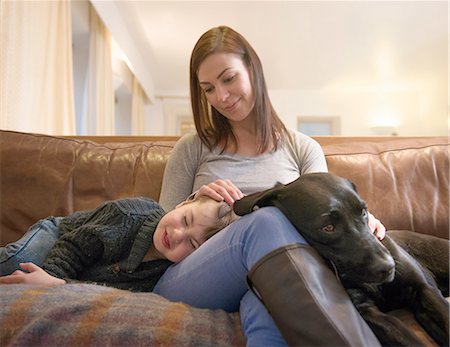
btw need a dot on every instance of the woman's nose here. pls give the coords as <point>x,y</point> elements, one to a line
<point>222,94</point>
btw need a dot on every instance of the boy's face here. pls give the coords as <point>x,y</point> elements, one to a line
<point>183,229</point>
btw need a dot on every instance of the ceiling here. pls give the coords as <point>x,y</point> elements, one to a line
<point>302,44</point>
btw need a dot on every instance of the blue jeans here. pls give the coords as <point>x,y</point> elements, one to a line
<point>214,276</point>
<point>32,247</point>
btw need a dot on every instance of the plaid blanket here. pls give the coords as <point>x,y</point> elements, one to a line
<point>92,315</point>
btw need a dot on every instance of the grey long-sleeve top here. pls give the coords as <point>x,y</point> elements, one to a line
<point>192,165</point>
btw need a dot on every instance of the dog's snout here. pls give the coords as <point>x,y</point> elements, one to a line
<point>384,270</point>
<point>388,272</point>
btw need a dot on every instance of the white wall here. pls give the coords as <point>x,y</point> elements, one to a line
<point>397,87</point>
<point>410,113</point>
<point>154,119</point>
<point>363,112</point>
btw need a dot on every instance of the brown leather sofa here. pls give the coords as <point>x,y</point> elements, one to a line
<point>405,182</point>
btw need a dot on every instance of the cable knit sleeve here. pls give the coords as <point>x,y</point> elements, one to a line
<point>80,243</point>
<point>73,252</point>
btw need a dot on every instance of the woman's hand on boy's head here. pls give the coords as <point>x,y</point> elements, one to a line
<point>221,190</point>
<point>35,275</point>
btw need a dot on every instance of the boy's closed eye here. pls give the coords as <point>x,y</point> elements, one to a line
<point>194,243</point>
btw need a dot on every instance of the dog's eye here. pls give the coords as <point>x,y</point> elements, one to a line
<point>364,213</point>
<point>328,228</point>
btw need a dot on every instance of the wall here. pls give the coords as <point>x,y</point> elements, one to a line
<point>397,90</point>
<point>362,112</point>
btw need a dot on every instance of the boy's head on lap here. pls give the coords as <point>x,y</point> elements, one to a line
<point>182,230</point>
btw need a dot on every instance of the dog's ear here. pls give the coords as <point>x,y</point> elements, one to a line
<point>352,185</point>
<point>254,201</point>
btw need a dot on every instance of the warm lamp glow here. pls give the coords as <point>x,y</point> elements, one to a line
<point>386,124</point>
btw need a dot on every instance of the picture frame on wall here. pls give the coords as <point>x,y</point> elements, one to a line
<point>319,125</point>
<point>185,125</point>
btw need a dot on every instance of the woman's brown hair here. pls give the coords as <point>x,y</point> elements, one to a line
<point>212,127</point>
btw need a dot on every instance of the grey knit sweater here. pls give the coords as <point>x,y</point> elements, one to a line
<point>107,245</point>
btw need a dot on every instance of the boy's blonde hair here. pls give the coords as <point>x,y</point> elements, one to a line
<point>225,214</point>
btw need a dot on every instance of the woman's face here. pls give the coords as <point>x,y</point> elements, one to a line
<point>226,83</point>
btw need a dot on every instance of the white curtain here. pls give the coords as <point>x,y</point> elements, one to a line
<point>100,90</point>
<point>36,79</point>
<point>137,109</point>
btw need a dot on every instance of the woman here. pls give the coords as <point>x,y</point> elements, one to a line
<point>241,146</point>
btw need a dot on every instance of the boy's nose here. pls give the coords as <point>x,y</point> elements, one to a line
<point>178,235</point>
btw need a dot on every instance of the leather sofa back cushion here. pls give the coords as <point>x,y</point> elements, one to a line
<point>405,183</point>
<point>44,175</point>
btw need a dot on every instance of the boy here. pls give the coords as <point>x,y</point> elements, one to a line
<point>126,243</point>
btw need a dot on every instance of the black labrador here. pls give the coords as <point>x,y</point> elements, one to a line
<point>378,276</point>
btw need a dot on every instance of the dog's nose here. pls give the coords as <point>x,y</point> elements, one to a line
<point>388,274</point>
<point>385,271</point>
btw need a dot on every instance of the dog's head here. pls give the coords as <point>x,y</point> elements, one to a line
<point>331,216</point>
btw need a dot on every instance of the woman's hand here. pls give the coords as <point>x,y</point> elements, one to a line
<point>35,275</point>
<point>221,190</point>
<point>376,227</point>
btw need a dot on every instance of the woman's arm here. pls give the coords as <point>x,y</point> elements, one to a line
<point>307,153</point>
<point>180,171</point>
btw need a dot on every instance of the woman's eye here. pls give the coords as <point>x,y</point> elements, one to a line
<point>185,221</point>
<point>208,90</point>
<point>229,78</point>
<point>328,228</point>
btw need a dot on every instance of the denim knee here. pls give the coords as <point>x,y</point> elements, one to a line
<point>32,247</point>
<point>271,223</point>
<point>264,231</point>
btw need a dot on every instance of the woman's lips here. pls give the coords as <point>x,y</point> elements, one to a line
<point>232,106</point>
<point>166,241</point>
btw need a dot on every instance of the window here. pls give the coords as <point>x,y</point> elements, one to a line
<point>319,125</point>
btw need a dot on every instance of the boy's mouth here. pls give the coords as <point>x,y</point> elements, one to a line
<point>165,240</point>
